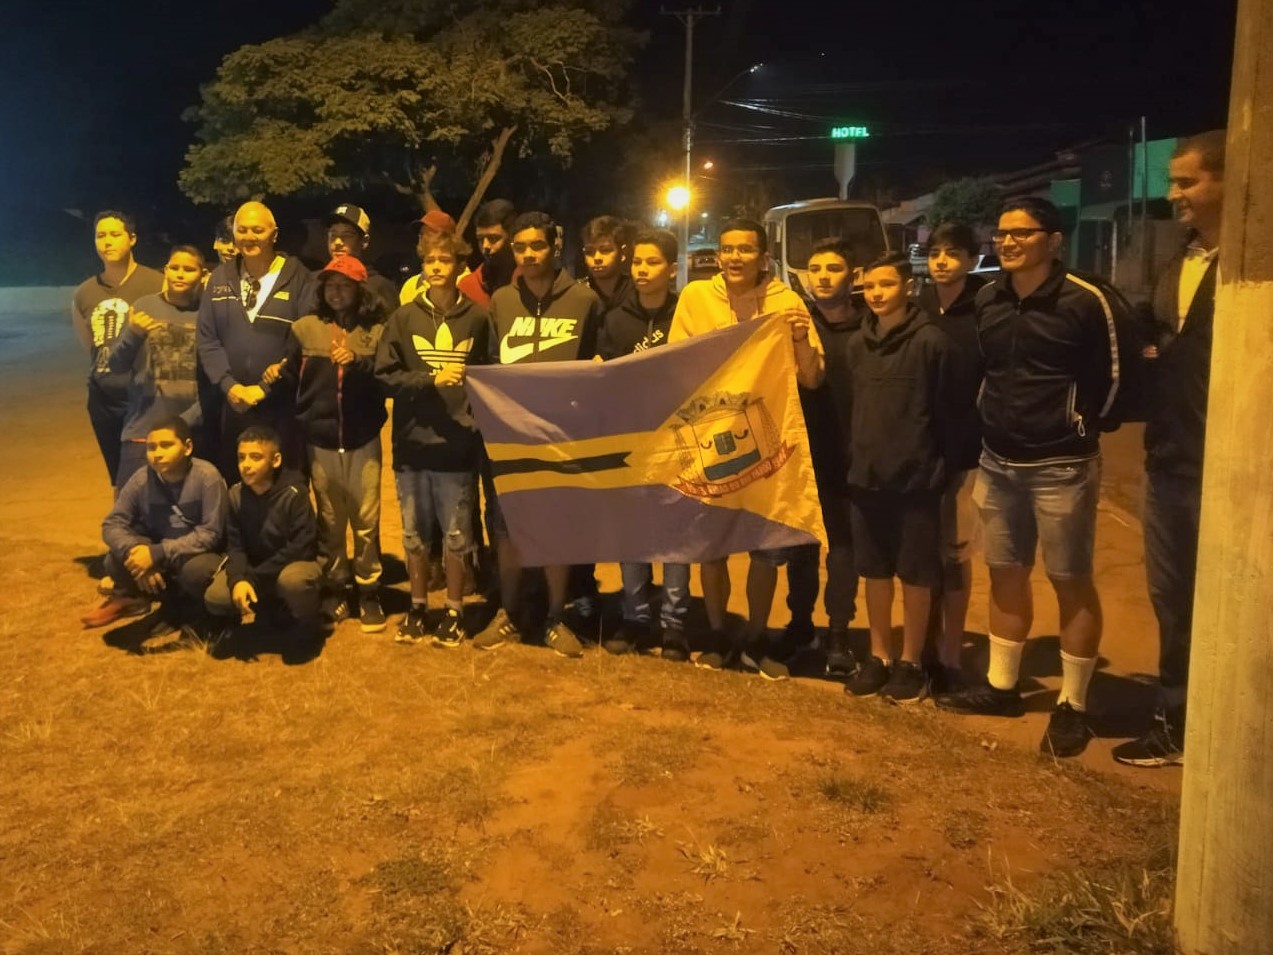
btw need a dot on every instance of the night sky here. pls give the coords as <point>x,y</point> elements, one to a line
<point>92,112</point>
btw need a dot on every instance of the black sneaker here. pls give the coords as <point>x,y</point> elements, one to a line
<point>627,638</point>
<point>943,679</point>
<point>717,652</point>
<point>449,631</point>
<point>1067,733</point>
<point>675,646</point>
<point>1164,745</point>
<point>907,683</point>
<point>756,656</point>
<point>336,607</point>
<point>869,679</point>
<point>798,636</point>
<point>371,616</point>
<point>411,627</point>
<point>499,631</point>
<point>840,662</point>
<point>562,641</point>
<point>982,699</point>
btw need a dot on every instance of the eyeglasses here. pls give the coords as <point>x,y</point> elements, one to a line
<point>999,236</point>
<point>251,289</point>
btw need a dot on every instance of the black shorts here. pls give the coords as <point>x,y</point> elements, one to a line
<point>897,535</point>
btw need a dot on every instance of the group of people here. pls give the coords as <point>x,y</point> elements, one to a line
<point>962,410</point>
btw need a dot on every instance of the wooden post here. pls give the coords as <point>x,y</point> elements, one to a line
<point>1224,884</point>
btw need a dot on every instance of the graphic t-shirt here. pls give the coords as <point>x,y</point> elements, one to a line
<point>103,310</point>
<point>161,366</point>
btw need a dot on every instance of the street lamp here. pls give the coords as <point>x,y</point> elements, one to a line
<point>678,198</point>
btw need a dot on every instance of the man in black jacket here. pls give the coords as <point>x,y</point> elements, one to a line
<point>1051,377</point>
<point>1179,357</point>
<point>272,537</point>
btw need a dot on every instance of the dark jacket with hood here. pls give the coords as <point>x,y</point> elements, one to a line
<point>339,407</point>
<point>959,322</point>
<point>1179,375</point>
<point>897,428</point>
<point>629,327</point>
<point>233,350</point>
<point>433,427</point>
<point>266,532</point>
<point>624,290</point>
<point>562,326</point>
<point>827,407</point>
<point>1051,363</point>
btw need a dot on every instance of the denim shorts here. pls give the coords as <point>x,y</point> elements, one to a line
<point>442,497</point>
<point>1023,505</point>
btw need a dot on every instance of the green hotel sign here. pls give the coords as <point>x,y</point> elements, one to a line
<point>850,132</point>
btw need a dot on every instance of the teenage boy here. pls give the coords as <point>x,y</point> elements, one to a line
<point>493,227</point>
<point>164,532</point>
<point>835,316</point>
<point>271,562</point>
<point>950,302</point>
<point>434,222</point>
<point>424,351</point>
<point>99,313</point>
<point>897,470</point>
<point>544,316</point>
<point>606,247</point>
<point>349,233</point>
<point>1050,350</point>
<point>245,325</point>
<point>638,323</point>
<point>1182,309</point>
<point>743,290</point>
<point>223,240</point>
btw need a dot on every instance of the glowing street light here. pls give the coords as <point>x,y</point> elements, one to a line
<point>709,164</point>
<point>678,198</point>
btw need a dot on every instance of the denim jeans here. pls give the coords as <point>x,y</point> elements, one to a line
<point>637,580</point>
<point>1172,508</point>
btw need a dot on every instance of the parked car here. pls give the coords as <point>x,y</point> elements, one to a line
<point>703,264</point>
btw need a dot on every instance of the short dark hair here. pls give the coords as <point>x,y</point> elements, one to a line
<point>1047,215</point>
<point>259,432</point>
<point>224,230</point>
<point>835,246</point>
<point>661,239</point>
<point>188,250</point>
<point>1210,149</point>
<point>743,224</point>
<point>130,224</point>
<point>607,227</point>
<point>498,212</point>
<point>174,423</point>
<point>535,220</point>
<point>954,235</point>
<point>891,260</point>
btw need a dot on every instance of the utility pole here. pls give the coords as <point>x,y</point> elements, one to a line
<point>689,16</point>
<point>1224,878</point>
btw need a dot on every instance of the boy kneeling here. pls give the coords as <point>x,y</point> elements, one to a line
<point>166,528</point>
<point>272,545</point>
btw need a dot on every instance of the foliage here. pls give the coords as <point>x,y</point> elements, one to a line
<point>968,201</point>
<point>396,93</point>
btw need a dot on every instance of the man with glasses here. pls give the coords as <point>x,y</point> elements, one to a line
<point>245,323</point>
<point>1051,374</point>
<point>742,291</point>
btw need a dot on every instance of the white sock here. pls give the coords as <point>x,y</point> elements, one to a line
<point>1076,674</point>
<point>1005,662</point>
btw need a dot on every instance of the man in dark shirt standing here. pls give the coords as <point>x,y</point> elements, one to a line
<point>99,312</point>
<point>1179,358</point>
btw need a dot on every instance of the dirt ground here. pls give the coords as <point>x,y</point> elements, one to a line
<point>374,798</point>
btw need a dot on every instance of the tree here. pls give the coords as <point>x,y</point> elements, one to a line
<point>971,202</point>
<point>400,93</point>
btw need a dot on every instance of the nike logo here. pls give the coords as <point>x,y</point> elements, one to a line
<point>511,354</point>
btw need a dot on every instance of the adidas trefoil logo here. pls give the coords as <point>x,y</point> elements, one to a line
<point>445,351</point>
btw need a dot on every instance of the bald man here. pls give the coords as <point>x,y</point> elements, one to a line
<point>245,319</point>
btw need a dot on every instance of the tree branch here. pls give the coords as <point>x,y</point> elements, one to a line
<point>498,145</point>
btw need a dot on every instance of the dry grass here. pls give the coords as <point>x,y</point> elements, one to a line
<point>381,799</point>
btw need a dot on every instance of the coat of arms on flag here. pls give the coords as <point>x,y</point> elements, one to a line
<point>687,452</point>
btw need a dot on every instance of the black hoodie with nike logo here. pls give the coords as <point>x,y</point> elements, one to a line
<point>562,326</point>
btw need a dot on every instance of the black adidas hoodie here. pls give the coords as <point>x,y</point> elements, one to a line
<point>560,327</point>
<point>266,532</point>
<point>433,428</point>
<point>900,396</point>
<point>629,327</point>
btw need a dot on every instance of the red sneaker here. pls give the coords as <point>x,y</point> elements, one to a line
<point>115,608</point>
